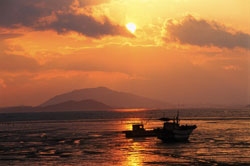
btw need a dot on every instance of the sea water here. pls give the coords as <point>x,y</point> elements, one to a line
<point>95,138</point>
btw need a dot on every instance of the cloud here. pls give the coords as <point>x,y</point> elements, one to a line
<point>204,33</point>
<point>2,84</point>
<point>13,63</point>
<point>58,16</point>
<point>4,36</point>
<point>85,25</point>
<point>91,2</point>
<point>232,67</point>
<point>16,13</point>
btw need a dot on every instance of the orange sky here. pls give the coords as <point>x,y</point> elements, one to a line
<point>187,52</point>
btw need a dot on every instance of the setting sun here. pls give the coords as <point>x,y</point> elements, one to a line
<point>131,27</point>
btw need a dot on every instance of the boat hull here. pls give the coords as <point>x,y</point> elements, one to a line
<point>177,135</point>
<point>134,134</point>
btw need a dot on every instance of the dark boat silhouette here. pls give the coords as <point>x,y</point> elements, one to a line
<point>173,131</point>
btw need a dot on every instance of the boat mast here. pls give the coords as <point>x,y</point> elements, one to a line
<point>177,117</point>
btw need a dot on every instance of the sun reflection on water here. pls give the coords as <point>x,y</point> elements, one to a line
<point>134,157</point>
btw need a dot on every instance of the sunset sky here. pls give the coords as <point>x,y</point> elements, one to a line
<point>188,52</point>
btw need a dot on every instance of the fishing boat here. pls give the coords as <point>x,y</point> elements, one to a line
<point>173,131</point>
<point>139,131</point>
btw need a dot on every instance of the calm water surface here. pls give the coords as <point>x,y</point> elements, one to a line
<point>216,141</point>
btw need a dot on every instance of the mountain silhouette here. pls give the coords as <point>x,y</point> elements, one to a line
<point>83,105</point>
<point>72,105</point>
<point>107,96</point>
<point>17,109</point>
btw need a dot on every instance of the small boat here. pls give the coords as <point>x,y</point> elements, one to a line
<point>139,131</point>
<point>173,131</point>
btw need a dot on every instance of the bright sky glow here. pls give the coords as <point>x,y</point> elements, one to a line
<point>131,27</point>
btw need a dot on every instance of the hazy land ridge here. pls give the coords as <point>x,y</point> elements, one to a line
<point>100,98</point>
<point>107,96</point>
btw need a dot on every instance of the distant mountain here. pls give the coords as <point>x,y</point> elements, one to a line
<point>83,105</point>
<point>17,109</point>
<point>75,106</point>
<point>110,97</point>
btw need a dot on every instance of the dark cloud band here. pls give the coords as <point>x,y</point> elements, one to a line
<point>85,25</point>
<point>35,14</point>
<point>14,63</point>
<point>204,33</point>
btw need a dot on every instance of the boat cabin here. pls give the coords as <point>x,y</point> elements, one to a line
<point>138,127</point>
<point>170,125</point>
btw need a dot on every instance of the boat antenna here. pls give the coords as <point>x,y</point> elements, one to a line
<point>177,117</point>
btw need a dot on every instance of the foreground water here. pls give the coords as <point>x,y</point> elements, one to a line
<point>96,139</point>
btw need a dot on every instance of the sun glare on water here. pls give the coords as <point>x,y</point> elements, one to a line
<point>131,27</point>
